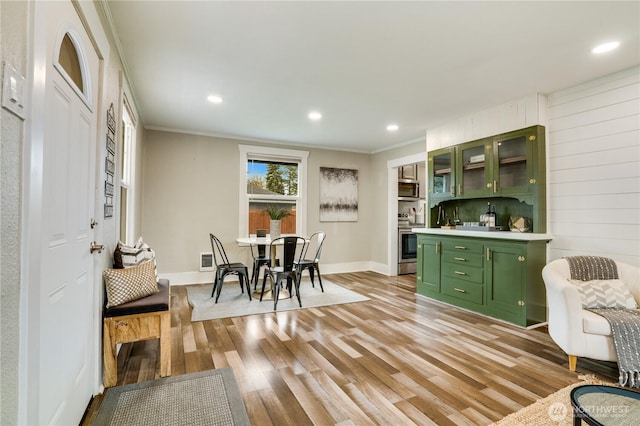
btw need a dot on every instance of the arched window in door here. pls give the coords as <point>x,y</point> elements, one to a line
<point>71,64</point>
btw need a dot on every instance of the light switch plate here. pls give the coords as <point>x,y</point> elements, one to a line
<point>13,90</point>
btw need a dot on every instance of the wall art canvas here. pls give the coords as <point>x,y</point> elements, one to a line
<point>338,195</point>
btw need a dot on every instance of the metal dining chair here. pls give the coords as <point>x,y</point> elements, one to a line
<point>259,256</point>
<point>293,248</point>
<point>316,239</point>
<point>224,268</point>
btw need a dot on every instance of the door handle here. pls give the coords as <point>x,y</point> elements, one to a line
<point>95,247</point>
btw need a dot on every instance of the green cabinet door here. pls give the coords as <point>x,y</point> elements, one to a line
<point>428,268</point>
<point>441,172</point>
<point>474,169</point>
<point>506,277</point>
<point>515,161</point>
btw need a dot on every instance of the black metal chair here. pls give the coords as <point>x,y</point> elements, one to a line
<point>316,239</point>
<point>291,246</point>
<point>224,268</point>
<point>260,257</point>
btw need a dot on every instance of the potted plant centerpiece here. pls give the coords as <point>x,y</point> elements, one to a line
<point>276,214</point>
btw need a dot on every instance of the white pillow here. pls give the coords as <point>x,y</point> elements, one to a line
<point>605,294</point>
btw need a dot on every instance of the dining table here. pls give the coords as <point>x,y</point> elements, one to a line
<point>252,240</point>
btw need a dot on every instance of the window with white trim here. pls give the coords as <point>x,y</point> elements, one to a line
<point>272,178</point>
<point>127,168</point>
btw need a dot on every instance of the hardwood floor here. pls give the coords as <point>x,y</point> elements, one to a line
<point>396,359</point>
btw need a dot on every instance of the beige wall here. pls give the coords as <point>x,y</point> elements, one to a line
<point>379,239</point>
<point>191,189</point>
<point>13,45</point>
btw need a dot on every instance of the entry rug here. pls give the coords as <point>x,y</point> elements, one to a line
<point>233,303</point>
<point>205,398</point>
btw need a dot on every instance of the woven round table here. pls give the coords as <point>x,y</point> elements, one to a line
<point>599,405</point>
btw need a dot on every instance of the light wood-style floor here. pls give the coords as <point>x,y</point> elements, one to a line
<point>397,359</point>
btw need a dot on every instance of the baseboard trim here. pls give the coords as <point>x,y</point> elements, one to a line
<point>197,277</point>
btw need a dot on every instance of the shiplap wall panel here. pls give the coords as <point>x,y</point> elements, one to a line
<point>593,187</point>
<point>593,167</point>
<point>592,159</point>
<point>623,201</point>
<point>594,145</point>
<point>616,94</point>
<point>518,114</point>
<point>585,167</point>
<point>606,84</point>
<point>599,231</point>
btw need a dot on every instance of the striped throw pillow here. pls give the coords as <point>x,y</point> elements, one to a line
<point>605,294</point>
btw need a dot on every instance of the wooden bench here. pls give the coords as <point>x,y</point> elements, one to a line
<point>146,318</point>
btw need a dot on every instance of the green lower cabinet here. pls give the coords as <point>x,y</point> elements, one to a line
<point>505,273</point>
<point>498,278</point>
<point>428,268</point>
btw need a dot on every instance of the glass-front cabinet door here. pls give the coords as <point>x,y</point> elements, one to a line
<point>442,173</point>
<point>513,162</point>
<point>474,169</point>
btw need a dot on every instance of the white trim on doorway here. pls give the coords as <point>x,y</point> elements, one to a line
<point>392,205</point>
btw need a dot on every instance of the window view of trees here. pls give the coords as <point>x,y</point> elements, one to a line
<point>272,183</point>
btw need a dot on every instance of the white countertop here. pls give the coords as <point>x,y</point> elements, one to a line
<point>499,235</point>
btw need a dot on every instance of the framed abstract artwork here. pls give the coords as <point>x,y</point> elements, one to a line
<point>338,195</point>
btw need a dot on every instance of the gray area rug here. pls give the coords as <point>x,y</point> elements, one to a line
<point>233,303</point>
<point>205,398</point>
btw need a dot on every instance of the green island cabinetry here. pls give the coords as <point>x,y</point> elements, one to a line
<point>498,274</point>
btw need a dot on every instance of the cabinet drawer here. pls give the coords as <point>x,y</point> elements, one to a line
<point>459,289</point>
<point>471,259</point>
<point>462,246</point>
<point>463,272</point>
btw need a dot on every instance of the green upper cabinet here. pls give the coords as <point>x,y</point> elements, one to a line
<point>474,169</point>
<point>441,168</point>
<point>516,161</point>
<point>504,165</point>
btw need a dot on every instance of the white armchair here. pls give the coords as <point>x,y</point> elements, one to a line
<point>578,332</point>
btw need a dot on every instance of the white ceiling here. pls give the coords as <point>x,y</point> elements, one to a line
<point>363,65</point>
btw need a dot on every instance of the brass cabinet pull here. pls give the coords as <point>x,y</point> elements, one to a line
<point>495,186</point>
<point>488,253</point>
<point>460,247</point>
<point>459,189</point>
<point>461,259</point>
<point>460,290</point>
<point>437,247</point>
<point>459,273</point>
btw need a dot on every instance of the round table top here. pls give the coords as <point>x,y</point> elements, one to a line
<point>257,241</point>
<point>606,405</point>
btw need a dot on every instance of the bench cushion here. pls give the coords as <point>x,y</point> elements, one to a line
<point>153,303</point>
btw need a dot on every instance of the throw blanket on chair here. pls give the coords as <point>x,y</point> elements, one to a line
<point>587,268</point>
<point>625,327</point>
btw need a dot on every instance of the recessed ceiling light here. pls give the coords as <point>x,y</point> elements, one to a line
<point>606,47</point>
<point>315,115</point>
<point>392,127</point>
<point>214,99</point>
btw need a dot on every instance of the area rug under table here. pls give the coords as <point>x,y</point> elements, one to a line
<point>233,303</point>
<point>206,398</point>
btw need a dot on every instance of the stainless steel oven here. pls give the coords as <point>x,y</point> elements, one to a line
<point>407,251</point>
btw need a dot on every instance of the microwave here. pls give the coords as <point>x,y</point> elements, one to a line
<point>408,190</point>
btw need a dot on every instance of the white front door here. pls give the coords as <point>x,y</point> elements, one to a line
<point>66,324</point>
